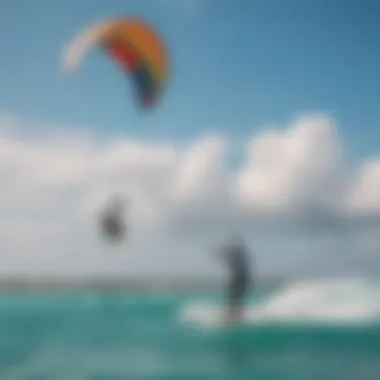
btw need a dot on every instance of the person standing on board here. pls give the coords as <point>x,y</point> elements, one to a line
<point>240,281</point>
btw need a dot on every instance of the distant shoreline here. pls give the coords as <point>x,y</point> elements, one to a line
<point>117,284</point>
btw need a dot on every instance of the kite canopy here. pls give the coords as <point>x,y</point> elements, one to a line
<point>134,46</point>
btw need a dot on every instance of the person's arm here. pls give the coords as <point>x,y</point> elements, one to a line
<point>220,254</point>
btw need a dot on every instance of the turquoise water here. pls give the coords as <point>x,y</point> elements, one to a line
<point>304,331</point>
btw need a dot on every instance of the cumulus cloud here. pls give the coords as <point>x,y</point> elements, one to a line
<point>290,169</point>
<point>54,181</point>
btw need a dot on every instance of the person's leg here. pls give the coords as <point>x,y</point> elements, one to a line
<point>236,310</point>
<point>235,301</point>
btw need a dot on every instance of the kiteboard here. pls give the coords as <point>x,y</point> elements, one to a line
<point>215,316</point>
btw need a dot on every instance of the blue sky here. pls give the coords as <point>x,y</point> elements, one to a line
<point>237,66</point>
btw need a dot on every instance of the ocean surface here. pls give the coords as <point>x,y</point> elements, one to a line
<point>311,330</point>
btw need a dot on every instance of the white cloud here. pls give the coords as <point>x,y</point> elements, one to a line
<point>289,169</point>
<point>53,184</point>
<point>364,197</point>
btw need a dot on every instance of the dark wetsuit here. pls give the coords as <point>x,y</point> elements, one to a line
<point>240,276</point>
<point>113,226</point>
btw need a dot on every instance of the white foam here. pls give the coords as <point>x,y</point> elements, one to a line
<point>333,302</point>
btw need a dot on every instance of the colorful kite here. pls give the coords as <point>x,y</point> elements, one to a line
<point>137,49</point>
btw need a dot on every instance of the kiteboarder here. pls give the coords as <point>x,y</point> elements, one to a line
<point>112,223</point>
<point>240,278</point>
